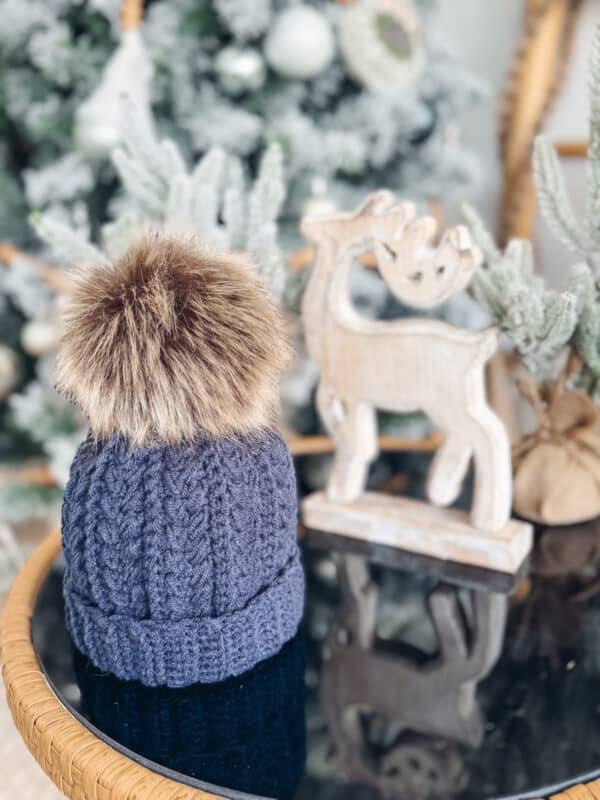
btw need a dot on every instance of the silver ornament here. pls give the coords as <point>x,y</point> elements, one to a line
<point>300,43</point>
<point>240,69</point>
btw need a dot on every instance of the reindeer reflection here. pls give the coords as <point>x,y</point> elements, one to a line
<point>404,365</point>
<point>425,701</point>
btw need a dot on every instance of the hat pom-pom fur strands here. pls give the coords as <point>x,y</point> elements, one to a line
<point>170,340</point>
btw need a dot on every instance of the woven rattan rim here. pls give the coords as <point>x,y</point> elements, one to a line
<point>81,765</point>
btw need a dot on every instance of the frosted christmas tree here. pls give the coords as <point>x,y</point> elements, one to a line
<point>354,93</point>
<point>269,109</point>
<point>158,191</point>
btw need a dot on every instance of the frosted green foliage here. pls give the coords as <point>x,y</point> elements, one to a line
<point>245,20</point>
<point>19,502</point>
<point>294,290</point>
<point>61,450</point>
<point>30,294</point>
<point>588,338</point>
<point>593,213</point>
<point>539,322</point>
<point>49,420</point>
<point>52,53</point>
<point>264,206</point>
<point>553,199</point>
<point>305,144</point>
<point>44,414</point>
<point>582,238</point>
<point>587,341</point>
<point>67,245</point>
<point>224,124</point>
<point>413,426</point>
<point>210,200</point>
<point>581,301</point>
<point>68,177</point>
<point>20,20</point>
<point>111,9</point>
<point>12,203</point>
<point>329,126</point>
<point>235,205</point>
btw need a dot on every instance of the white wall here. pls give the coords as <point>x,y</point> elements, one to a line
<point>485,34</point>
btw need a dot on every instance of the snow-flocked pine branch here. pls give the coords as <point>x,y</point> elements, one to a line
<point>210,200</point>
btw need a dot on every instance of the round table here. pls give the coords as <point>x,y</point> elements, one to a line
<point>418,679</point>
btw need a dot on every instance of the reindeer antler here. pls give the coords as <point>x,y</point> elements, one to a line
<point>346,227</point>
<point>419,274</point>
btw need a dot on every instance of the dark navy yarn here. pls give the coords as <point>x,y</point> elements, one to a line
<point>181,562</point>
<point>246,733</point>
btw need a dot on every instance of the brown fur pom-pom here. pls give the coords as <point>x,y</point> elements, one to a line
<point>169,341</point>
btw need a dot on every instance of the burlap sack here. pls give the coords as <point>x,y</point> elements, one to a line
<point>556,469</point>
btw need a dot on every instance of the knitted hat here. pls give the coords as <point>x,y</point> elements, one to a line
<point>245,733</point>
<point>179,518</point>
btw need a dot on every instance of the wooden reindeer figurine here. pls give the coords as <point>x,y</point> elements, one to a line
<point>405,365</point>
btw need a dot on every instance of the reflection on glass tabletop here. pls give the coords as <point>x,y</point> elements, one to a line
<point>410,678</point>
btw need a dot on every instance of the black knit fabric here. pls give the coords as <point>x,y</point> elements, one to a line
<point>245,733</point>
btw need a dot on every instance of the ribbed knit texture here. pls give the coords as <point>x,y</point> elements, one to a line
<point>181,562</point>
<point>246,733</point>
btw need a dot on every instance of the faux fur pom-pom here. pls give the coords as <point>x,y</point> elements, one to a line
<point>170,341</point>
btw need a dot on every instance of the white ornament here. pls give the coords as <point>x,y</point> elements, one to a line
<point>240,69</point>
<point>300,43</point>
<point>319,202</point>
<point>99,121</point>
<point>9,368</point>
<point>382,43</point>
<point>40,336</point>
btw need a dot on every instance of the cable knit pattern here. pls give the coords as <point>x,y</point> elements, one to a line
<point>181,562</point>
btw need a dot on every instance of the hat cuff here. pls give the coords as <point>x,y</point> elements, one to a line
<point>181,652</point>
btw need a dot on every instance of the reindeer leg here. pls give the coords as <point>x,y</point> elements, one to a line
<point>448,469</point>
<point>354,431</point>
<point>349,476</point>
<point>492,494</point>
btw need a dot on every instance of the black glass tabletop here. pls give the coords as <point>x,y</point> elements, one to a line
<point>410,678</point>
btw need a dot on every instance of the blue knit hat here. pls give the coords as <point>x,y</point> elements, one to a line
<point>181,557</point>
<point>181,563</point>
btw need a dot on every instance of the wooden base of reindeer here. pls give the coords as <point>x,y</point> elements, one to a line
<point>418,527</point>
